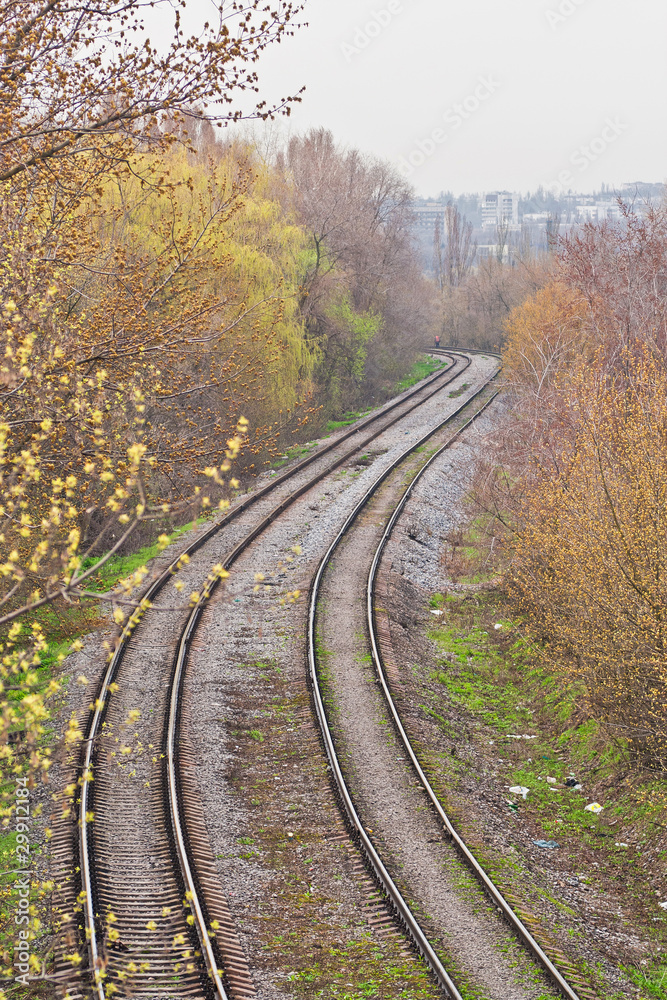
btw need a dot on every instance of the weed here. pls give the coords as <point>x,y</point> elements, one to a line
<point>422,368</point>
<point>653,981</point>
<point>459,392</point>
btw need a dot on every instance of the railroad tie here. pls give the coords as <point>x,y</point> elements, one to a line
<point>235,964</point>
<point>63,847</point>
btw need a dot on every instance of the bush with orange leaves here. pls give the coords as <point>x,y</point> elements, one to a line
<point>579,474</point>
<point>545,336</point>
<point>590,567</point>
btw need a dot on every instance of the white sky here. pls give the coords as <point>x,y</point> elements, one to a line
<point>560,72</point>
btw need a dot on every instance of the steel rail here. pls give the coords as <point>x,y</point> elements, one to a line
<point>86,854</point>
<point>496,896</point>
<point>175,697</point>
<point>463,350</point>
<point>382,875</point>
<point>193,894</point>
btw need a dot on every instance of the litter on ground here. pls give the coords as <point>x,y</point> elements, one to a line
<point>520,790</point>
<point>594,807</point>
<point>548,845</point>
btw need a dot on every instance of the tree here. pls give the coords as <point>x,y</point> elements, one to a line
<point>454,259</point>
<point>357,213</point>
<point>137,316</point>
<point>544,336</point>
<point>590,565</point>
<point>620,269</point>
<point>580,479</point>
<point>79,77</point>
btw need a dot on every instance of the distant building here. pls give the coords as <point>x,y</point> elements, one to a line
<point>600,211</point>
<point>536,218</point>
<point>427,215</point>
<point>500,208</point>
<point>492,250</point>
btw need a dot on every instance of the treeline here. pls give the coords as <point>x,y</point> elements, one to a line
<point>475,297</point>
<point>176,310</point>
<point>172,302</point>
<point>582,482</point>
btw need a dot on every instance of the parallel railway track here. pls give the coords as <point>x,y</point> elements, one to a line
<point>210,960</point>
<point>201,961</point>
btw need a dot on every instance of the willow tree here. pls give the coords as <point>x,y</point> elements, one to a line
<point>104,326</point>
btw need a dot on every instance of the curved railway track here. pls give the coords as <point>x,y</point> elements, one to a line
<point>378,868</point>
<point>489,887</point>
<point>202,958</point>
<point>211,967</point>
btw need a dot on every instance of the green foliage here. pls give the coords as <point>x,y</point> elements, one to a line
<point>120,567</point>
<point>652,981</point>
<point>421,369</point>
<point>349,333</point>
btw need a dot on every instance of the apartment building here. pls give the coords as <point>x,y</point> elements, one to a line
<point>500,208</point>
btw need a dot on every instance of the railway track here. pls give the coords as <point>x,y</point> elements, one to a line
<point>188,946</point>
<point>203,957</point>
<point>355,815</point>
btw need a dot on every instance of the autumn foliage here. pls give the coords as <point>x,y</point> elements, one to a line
<point>591,560</point>
<point>583,485</point>
<point>172,305</point>
<point>544,338</point>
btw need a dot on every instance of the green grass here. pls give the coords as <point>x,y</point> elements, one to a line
<point>297,451</point>
<point>358,970</point>
<point>120,567</point>
<point>345,421</point>
<point>652,981</point>
<point>422,368</point>
<point>509,688</point>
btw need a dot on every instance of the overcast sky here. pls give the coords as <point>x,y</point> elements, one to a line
<point>485,94</point>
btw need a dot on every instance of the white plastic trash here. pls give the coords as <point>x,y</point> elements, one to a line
<point>520,790</point>
<point>594,807</point>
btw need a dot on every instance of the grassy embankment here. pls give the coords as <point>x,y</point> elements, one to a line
<point>507,686</point>
<point>420,370</point>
